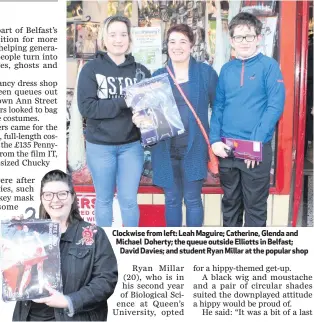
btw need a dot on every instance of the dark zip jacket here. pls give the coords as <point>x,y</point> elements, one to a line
<point>100,100</point>
<point>250,98</point>
<point>89,274</point>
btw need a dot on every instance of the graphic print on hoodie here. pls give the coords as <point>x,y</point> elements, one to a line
<point>111,87</point>
<point>100,100</point>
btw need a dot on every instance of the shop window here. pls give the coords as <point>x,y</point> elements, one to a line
<point>209,21</point>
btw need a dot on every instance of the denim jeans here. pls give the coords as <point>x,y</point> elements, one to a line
<point>116,166</point>
<point>191,192</point>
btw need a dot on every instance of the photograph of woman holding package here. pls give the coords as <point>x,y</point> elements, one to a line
<point>113,150</point>
<point>88,264</point>
<point>180,163</point>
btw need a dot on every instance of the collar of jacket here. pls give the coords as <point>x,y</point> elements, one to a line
<point>249,60</point>
<point>195,87</point>
<point>70,233</point>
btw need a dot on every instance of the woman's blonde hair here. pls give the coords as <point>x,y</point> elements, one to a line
<point>103,31</point>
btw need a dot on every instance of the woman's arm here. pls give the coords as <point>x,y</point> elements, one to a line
<point>105,276</point>
<point>89,104</point>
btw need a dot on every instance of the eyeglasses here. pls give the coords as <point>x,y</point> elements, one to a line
<point>61,195</point>
<point>248,38</point>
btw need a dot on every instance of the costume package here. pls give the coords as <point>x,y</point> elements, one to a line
<point>30,259</point>
<point>244,149</point>
<point>153,99</point>
<point>147,166</point>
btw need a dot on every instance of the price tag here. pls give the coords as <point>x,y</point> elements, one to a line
<point>256,146</point>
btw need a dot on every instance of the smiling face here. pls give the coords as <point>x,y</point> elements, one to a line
<point>247,47</point>
<point>57,208</point>
<point>179,47</point>
<point>117,39</point>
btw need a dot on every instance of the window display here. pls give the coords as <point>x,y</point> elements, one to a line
<point>120,8</point>
<point>74,10</point>
<point>209,21</point>
<point>70,39</point>
<point>86,34</point>
<point>169,13</point>
<point>258,8</point>
<point>269,33</point>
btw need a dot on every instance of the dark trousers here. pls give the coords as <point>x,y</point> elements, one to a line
<point>245,190</point>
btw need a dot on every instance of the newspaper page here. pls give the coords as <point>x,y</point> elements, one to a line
<point>165,274</point>
<point>32,117</point>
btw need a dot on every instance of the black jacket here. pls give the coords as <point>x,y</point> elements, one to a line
<point>100,101</point>
<point>89,274</point>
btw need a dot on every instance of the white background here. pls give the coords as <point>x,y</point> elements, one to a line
<point>35,14</point>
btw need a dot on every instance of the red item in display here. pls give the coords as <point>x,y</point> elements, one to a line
<point>30,259</point>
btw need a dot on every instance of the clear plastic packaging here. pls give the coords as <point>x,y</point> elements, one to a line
<point>30,259</point>
<point>259,8</point>
<point>153,99</point>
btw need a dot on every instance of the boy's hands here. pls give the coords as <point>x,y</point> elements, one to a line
<point>219,149</point>
<point>251,163</point>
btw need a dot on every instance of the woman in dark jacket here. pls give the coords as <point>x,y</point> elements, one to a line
<point>180,163</point>
<point>88,264</point>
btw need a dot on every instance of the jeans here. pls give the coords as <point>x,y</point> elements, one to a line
<point>116,166</point>
<point>191,192</point>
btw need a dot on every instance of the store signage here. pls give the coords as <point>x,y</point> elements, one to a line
<point>86,203</point>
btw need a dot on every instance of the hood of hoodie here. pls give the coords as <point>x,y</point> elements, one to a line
<point>129,59</point>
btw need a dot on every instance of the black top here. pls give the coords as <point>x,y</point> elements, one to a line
<point>40,312</point>
<point>100,100</point>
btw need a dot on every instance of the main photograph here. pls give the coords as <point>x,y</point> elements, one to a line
<point>172,113</point>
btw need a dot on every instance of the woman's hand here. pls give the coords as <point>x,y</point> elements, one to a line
<point>56,299</point>
<point>141,121</point>
<point>18,217</point>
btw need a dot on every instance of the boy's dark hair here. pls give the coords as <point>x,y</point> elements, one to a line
<point>58,175</point>
<point>245,19</point>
